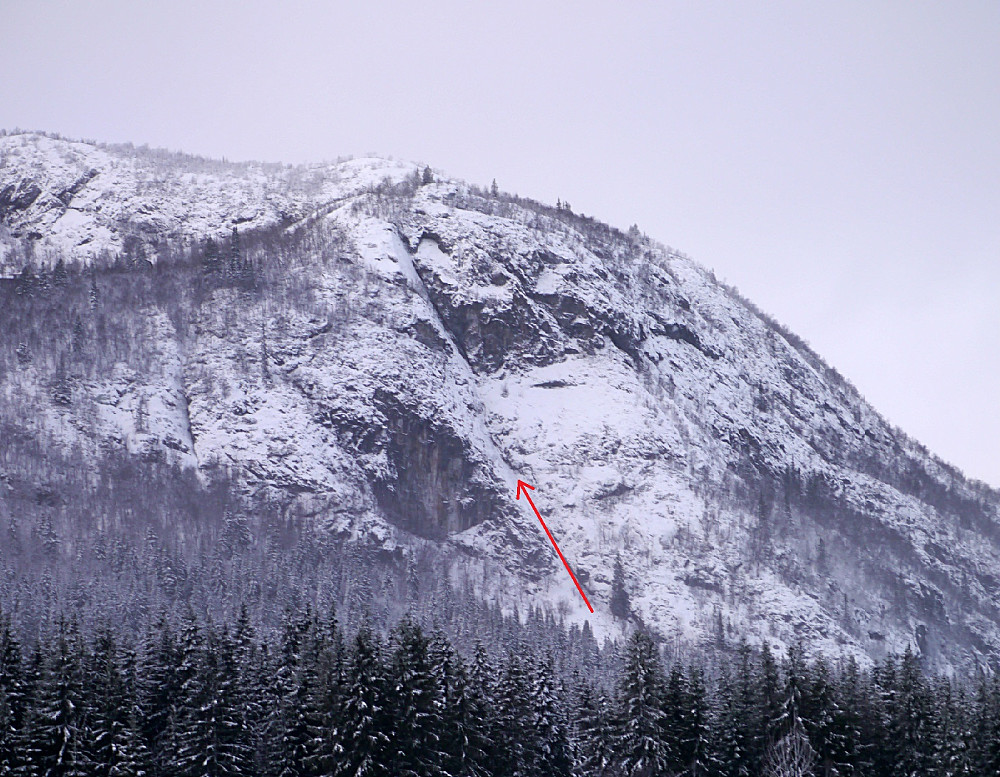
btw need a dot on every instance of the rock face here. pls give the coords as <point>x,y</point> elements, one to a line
<point>451,342</point>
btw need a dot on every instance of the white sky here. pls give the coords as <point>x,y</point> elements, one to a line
<point>839,162</point>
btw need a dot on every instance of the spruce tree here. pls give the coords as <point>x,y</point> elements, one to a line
<point>643,749</point>
<point>211,258</point>
<point>250,683</point>
<point>79,336</point>
<point>772,699</point>
<point>187,734</point>
<point>417,705</point>
<point>879,737</point>
<point>790,716</point>
<point>27,283</point>
<point>465,741</point>
<point>25,737</point>
<point>824,721</point>
<point>551,756</point>
<point>115,743</point>
<point>321,674</point>
<point>364,735</point>
<point>60,275</point>
<point>674,716</point>
<point>135,253</point>
<point>478,708</point>
<point>985,755</point>
<point>54,734</point>
<point>513,736</point>
<point>212,740</point>
<point>12,697</point>
<point>158,689</point>
<point>593,737</point>
<point>290,730</point>
<point>265,356</point>
<point>230,740</point>
<point>95,294</point>
<point>910,720</point>
<point>234,261</point>
<point>853,721</point>
<point>620,606</point>
<point>740,734</point>
<point>950,736</point>
<point>695,739</point>
<point>730,751</point>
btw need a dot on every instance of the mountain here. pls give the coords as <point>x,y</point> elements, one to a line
<point>378,353</point>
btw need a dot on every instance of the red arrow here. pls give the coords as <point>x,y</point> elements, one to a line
<point>522,486</point>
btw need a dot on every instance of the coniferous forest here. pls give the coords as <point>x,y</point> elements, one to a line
<point>194,698</point>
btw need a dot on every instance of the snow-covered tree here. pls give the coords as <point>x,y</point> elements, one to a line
<point>290,725</point>
<point>115,742</point>
<point>643,750</point>
<point>551,756</point>
<point>212,740</point>
<point>54,735</point>
<point>593,733</point>
<point>513,736</point>
<point>790,756</point>
<point>158,690</point>
<point>364,734</point>
<point>417,705</point>
<point>12,697</point>
<point>824,720</point>
<point>620,606</point>
<point>465,738</point>
<point>910,725</point>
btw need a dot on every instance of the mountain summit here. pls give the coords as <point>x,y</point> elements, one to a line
<point>379,353</point>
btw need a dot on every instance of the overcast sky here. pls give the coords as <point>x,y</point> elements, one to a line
<point>838,162</point>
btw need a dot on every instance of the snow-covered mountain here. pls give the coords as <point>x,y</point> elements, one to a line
<point>450,341</point>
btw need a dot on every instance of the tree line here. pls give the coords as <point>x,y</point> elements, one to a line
<point>193,698</point>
